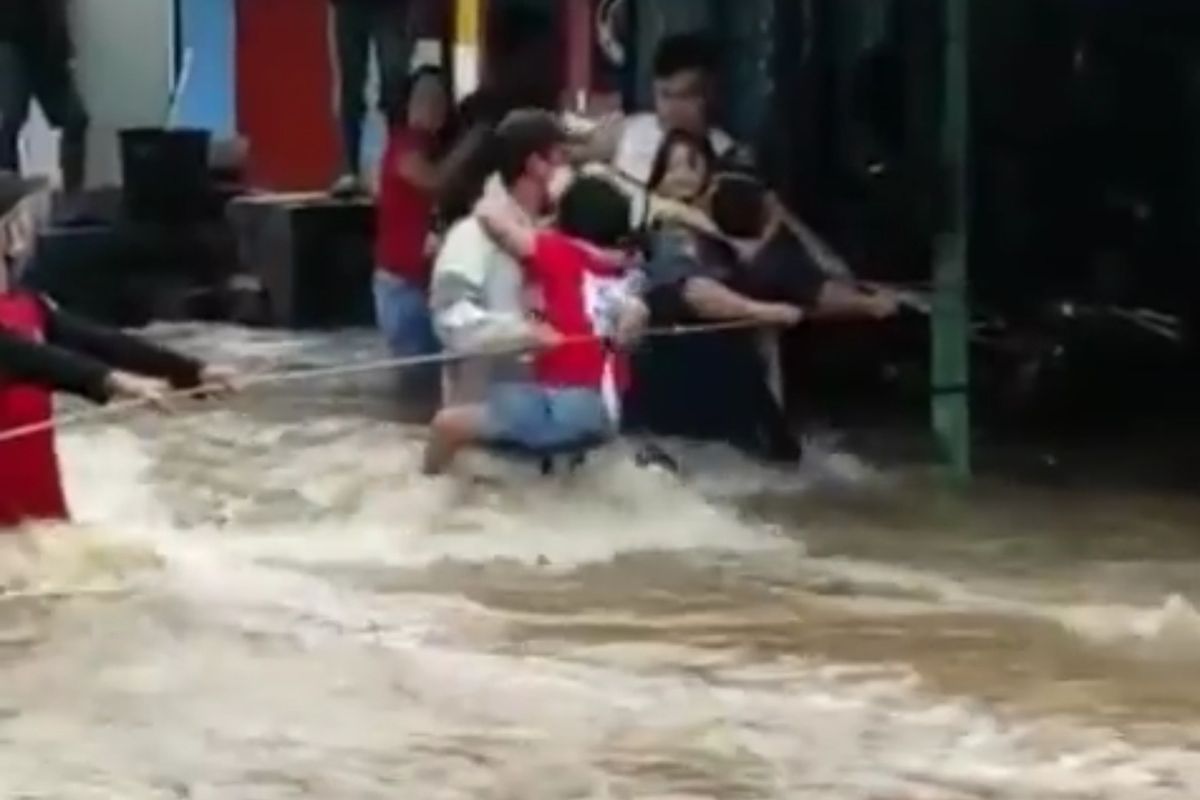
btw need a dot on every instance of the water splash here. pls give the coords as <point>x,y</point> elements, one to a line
<point>304,615</point>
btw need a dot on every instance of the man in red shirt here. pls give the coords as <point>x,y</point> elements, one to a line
<point>586,292</point>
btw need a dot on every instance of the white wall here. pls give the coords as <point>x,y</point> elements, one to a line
<point>124,71</point>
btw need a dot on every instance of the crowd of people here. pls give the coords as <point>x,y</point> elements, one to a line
<point>538,252</point>
<point>523,231</point>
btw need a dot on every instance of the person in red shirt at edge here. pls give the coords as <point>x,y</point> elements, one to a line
<point>584,285</point>
<point>411,175</point>
<point>42,350</point>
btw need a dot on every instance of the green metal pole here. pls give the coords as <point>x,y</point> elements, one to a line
<point>950,320</point>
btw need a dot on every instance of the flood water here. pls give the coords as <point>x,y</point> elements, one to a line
<point>266,600</point>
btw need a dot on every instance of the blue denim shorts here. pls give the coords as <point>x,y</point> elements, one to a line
<point>545,421</point>
<point>402,313</point>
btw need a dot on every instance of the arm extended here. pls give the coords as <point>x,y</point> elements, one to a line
<point>118,350</point>
<point>53,367</point>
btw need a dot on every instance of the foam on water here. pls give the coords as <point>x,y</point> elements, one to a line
<point>243,658</point>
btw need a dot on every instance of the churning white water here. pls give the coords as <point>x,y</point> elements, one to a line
<point>266,600</point>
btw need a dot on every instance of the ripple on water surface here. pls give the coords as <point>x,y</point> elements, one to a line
<point>266,601</point>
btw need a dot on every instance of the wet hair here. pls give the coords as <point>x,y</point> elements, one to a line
<point>594,210</point>
<point>523,134</point>
<point>739,205</point>
<point>683,52</point>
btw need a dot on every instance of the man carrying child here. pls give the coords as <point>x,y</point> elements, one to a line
<point>577,280</point>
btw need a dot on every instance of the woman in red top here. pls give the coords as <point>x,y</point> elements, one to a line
<point>43,349</point>
<point>412,173</point>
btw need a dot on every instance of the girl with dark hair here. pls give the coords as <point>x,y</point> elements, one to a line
<point>689,284</point>
<point>412,172</point>
<point>682,167</point>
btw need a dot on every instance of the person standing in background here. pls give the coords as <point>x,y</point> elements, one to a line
<point>414,168</point>
<point>36,63</point>
<point>361,27</point>
<point>684,68</point>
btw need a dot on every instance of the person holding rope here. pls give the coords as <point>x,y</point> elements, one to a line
<point>587,294</point>
<point>477,290</point>
<point>670,395</point>
<point>44,349</point>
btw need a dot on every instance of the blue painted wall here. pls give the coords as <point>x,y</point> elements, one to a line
<point>209,100</point>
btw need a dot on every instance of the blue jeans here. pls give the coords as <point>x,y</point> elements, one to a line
<point>402,313</point>
<point>545,420</point>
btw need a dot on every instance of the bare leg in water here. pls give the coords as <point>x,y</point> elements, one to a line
<point>452,430</point>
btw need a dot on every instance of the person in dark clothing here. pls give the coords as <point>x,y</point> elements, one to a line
<point>360,27</point>
<point>44,349</point>
<point>91,361</point>
<point>674,217</point>
<point>36,55</point>
<point>709,385</point>
<point>766,259</point>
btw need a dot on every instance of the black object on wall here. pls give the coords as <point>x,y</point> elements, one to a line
<point>313,260</point>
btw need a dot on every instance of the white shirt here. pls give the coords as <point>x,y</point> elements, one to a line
<point>477,297</point>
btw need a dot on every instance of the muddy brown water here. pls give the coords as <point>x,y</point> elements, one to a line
<point>265,600</point>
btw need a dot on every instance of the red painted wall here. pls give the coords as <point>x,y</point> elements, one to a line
<point>285,94</point>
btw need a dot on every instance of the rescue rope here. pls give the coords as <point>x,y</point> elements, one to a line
<point>254,380</point>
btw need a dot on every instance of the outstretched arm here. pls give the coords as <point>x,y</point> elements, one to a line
<point>119,350</point>
<point>58,369</point>
<point>55,368</point>
<point>829,261</point>
<point>714,301</point>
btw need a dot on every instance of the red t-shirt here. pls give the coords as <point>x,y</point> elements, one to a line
<point>404,213</point>
<point>579,296</point>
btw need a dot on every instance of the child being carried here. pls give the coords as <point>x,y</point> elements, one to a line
<point>585,293</point>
